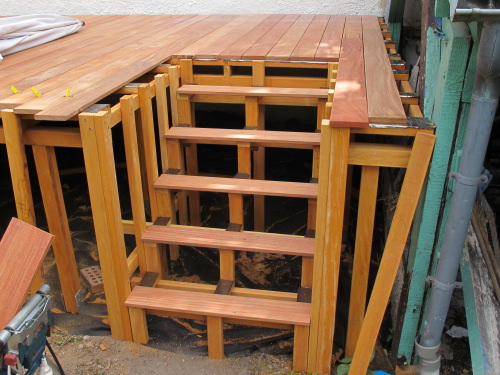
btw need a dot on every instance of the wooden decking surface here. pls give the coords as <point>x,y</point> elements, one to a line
<point>111,51</point>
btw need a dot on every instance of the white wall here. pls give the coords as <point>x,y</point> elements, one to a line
<point>68,7</point>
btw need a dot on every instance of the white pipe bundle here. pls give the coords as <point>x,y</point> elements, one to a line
<point>21,32</point>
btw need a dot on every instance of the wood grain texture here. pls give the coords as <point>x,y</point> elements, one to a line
<point>305,49</point>
<point>350,106</point>
<point>237,186</point>
<point>252,91</point>
<point>237,136</point>
<point>57,220</point>
<point>219,238</point>
<point>22,250</point>
<point>396,240</point>
<point>245,308</point>
<point>329,46</point>
<point>284,48</point>
<point>384,104</point>
<point>238,48</point>
<point>362,254</point>
<point>262,47</point>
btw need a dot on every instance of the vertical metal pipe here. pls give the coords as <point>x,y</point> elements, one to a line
<point>484,104</point>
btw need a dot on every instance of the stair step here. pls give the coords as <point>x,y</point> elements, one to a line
<point>225,306</point>
<point>253,91</point>
<point>222,239</point>
<point>264,138</point>
<point>237,186</point>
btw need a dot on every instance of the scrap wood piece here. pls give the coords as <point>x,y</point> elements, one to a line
<point>350,107</point>
<point>22,251</point>
<point>384,104</point>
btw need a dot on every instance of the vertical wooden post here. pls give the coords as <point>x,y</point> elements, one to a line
<point>394,247</point>
<point>173,78</point>
<point>332,186</point>
<point>362,252</point>
<point>13,131</point>
<point>254,119</point>
<point>215,336</point>
<point>57,220</point>
<point>161,84</point>
<point>300,343</point>
<point>103,189</point>
<point>134,178</point>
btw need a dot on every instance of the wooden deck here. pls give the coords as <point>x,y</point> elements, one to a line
<point>111,51</point>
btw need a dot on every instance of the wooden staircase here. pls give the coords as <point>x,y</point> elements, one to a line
<point>179,187</point>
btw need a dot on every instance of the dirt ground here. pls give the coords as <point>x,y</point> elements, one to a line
<point>101,355</point>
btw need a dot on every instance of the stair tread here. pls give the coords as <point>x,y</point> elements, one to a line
<point>237,186</point>
<point>234,136</point>
<point>225,306</point>
<point>222,239</point>
<point>253,91</point>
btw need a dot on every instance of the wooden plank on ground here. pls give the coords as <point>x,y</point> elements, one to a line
<point>22,250</point>
<point>306,48</point>
<point>283,49</point>
<point>350,107</point>
<point>238,48</point>
<point>386,108</point>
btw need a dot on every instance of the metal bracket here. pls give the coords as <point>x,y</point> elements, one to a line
<point>420,123</point>
<point>467,180</point>
<point>439,285</point>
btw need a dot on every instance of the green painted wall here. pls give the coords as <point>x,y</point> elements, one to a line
<point>447,59</point>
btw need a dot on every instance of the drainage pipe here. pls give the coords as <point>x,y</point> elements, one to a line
<point>484,104</point>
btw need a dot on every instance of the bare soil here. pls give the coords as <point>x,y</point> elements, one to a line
<point>102,355</point>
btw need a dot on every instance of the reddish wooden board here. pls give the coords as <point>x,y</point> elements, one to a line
<point>306,48</point>
<point>237,186</point>
<point>350,107</point>
<point>281,92</point>
<point>22,250</point>
<point>386,108</point>
<point>111,51</point>
<point>222,239</point>
<point>245,308</point>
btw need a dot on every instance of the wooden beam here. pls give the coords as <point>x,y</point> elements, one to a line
<point>57,220</point>
<point>103,189</point>
<point>401,224</point>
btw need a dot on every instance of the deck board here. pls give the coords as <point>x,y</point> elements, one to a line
<point>113,50</point>
<point>350,107</point>
<point>238,48</point>
<point>384,108</point>
<point>306,48</point>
